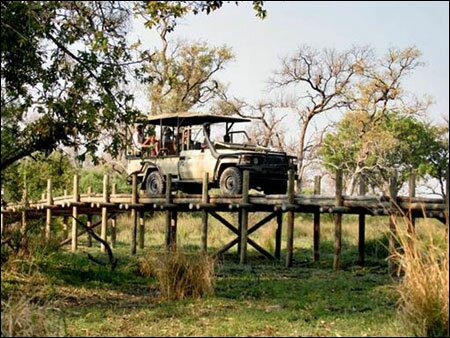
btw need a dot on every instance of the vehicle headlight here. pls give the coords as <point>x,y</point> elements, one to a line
<point>246,159</point>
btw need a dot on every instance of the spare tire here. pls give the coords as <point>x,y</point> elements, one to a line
<point>231,181</point>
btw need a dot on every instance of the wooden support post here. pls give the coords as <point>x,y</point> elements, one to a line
<point>24,213</point>
<point>290,220</point>
<point>338,200</point>
<point>76,198</point>
<point>447,190</point>
<point>141,230</point>
<point>316,234</point>
<point>113,221</point>
<point>89,225</point>
<point>65,227</point>
<point>393,263</point>
<point>134,217</point>
<point>168,212</point>
<point>205,200</point>
<point>104,228</point>
<point>244,221</point>
<point>361,225</point>
<point>278,234</point>
<point>173,229</point>
<point>412,193</point>
<point>48,221</point>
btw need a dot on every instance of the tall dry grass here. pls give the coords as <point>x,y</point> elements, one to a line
<point>180,275</point>
<point>21,317</point>
<point>424,287</point>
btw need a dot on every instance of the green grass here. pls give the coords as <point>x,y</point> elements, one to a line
<point>259,299</point>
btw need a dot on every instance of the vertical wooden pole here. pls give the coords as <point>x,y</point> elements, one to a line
<point>290,220</point>
<point>338,201</point>
<point>173,229</point>
<point>134,218</point>
<point>65,227</point>
<point>2,219</point>
<point>278,235</point>
<point>141,231</point>
<point>447,190</point>
<point>244,212</point>
<point>168,212</point>
<point>316,239</point>
<point>105,211</point>
<point>361,225</point>
<point>24,213</point>
<point>412,193</point>
<point>113,220</point>
<point>205,200</point>
<point>76,198</point>
<point>392,263</point>
<point>89,225</point>
<point>48,222</point>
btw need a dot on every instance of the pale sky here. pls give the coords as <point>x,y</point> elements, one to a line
<point>259,44</point>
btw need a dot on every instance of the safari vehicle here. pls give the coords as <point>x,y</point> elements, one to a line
<point>185,150</point>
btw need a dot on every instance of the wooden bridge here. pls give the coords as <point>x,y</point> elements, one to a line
<point>109,204</point>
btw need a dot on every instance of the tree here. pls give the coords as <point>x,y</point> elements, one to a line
<point>399,142</point>
<point>326,76</point>
<point>183,73</point>
<point>65,67</point>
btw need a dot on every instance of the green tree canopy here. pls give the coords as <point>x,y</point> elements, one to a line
<point>65,66</point>
<point>396,142</point>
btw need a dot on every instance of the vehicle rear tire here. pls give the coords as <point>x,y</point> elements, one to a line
<point>154,185</point>
<point>231,181</point>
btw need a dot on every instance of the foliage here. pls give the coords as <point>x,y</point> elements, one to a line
<point>374,150</point>
<point>65,67</point>
<point>34,172</point>
<point>93,177</point>
<point>183,77</point>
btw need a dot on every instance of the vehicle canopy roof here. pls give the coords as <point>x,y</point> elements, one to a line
<point>190,119</point>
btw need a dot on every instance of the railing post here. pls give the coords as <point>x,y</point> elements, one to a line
<point>338,201</point>
<point>113,220</point>
<point>316,236</point>
<point>393,242</point>
<point>244,220</point>
<point>169,216</point>
<point>290,220</point>
<point>76,199</point>
<point>105,211</point>
<point>205,200</point>
<point>412,193</point>
<point>134,218</point>
<point>361,225</point>
<point>278,235</point>
<point>48,222</point>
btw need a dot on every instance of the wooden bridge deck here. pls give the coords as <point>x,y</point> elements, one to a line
<point>109,204</point>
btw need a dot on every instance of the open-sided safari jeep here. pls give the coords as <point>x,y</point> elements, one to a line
<point>185,150</point>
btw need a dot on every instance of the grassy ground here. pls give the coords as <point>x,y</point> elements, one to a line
<point>260,299</point>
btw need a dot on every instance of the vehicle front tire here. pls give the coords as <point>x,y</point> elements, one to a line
<point>231,181</point>
<point>154,185</point>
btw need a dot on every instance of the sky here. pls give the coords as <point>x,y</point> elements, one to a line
<point>259,44</point>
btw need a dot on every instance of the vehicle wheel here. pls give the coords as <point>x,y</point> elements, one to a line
<point>278,189</point>
<point>231,181</point>
<point>154,185</point>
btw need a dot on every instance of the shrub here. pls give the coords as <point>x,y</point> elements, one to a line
<point>180,275</point>
<point>424,288</point>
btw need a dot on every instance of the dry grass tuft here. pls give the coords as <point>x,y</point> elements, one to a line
<point>23,318</point>
<point>424,288</point>
<point>180,275</point>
